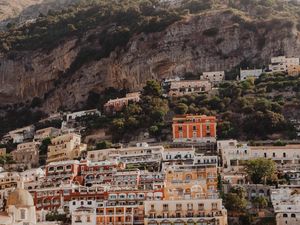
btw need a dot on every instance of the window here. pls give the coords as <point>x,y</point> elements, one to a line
<point>214,206</point>
<point>265,155</point>
<point>178,206</point>
<point>201,206</point>
<point>274,155</point>
<point>88,219</point>
<point>190,206</point>
<point>165,206</point>
<point>23,214</point>
<point>284,155</point>
<point>188,177</point>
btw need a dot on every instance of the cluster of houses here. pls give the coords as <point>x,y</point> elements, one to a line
<point>157,184</point>
<point>139,184</point>
<point>143,184</point>
<point>282,64</point>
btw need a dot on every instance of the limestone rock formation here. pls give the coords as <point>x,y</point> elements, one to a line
<point>188,45</point>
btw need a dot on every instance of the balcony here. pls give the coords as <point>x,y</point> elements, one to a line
<point>207,216</point>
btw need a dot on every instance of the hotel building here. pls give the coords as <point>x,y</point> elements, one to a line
<point>282,63</point>
<point>190,197</point>
<point>286,203</point>
<point>214,77</point>
<point>65,147</point>
<point>187,87</point>
<point>27,154</point>
<point>116,105</point>
<point>194,128</point>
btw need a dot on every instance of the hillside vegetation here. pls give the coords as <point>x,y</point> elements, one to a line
<point>247,110</point>
<point>120,20</point>
<point>100,27</point>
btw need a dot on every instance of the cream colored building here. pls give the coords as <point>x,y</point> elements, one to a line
<point>20,209</point>
<point>288,154</point>
<point>115,105</point>
<point>21,134</point>
<point>27,154</point>
<point>185,212</point>
<point>83,216</point>
<point>234,153</point>
<point>65,147</point>
<point>131,156</point>
<point>214,77</point>
<point>282,63</point>
<point>74,115</point>
<point>190,182</point>
<point>190,197</point>
<point>9,180</point>
<point>187,87</point>
<point>254,73</point>
<point>286,203</point>
<point>49,132</point>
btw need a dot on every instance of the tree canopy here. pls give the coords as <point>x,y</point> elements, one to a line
<point>259,170</point>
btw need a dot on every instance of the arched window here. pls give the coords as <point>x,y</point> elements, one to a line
<point>285,215</point>
<point>293,215</point>
<point>188,177</point>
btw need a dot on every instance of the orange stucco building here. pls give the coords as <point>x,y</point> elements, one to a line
<point>194,128</point>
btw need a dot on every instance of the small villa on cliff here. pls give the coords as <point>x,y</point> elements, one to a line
<point>187,87</point>
<point>116,105</point>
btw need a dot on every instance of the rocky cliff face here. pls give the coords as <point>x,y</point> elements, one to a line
<point>210,41</point>
<point>11,8</point>
<point>20,11</point>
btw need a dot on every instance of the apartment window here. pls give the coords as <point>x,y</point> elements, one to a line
<point>178,206</point>
<point>214,206</point>
<point>284,155</point>
<point>165,206</point>
<point>194,128</point>
<point>178,215</point>
<point>188,177</point>
<point>78,219</point>
<point>22,214</point>
<point>265,155</point>
<point>180,128</point>
<point>201,206</point>
<point>152,207</point>
<point>274,155</point>
<point>88,219</point>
